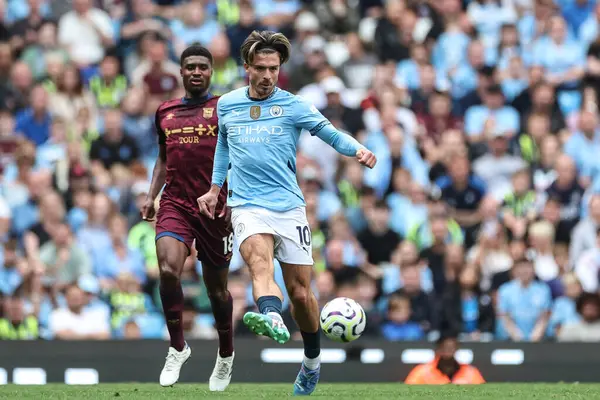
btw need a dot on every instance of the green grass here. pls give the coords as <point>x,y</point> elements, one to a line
<point>277,391</point>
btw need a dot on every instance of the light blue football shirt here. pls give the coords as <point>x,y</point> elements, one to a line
<point>258,141</point>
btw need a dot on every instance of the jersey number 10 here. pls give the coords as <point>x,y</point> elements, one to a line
<point>304,235</point>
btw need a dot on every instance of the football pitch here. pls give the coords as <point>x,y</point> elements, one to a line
<point>277,391</point>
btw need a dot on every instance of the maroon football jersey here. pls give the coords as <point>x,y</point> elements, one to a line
<point>189,129</point>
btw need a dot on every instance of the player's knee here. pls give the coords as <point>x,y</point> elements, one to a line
<point>258,263</point>
<point>220,295</point>
<point>168,271</point>
<point>299,295</point>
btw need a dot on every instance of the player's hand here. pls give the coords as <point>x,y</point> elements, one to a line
<point>207,204</point>
<point>225,213</point>
<point>148,210</point>
<point>366,157</point>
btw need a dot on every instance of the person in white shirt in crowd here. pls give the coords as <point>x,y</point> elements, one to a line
<point>86,32</point>
<point>77,322</point>
<point>584,233</point>
<point>588,266</point>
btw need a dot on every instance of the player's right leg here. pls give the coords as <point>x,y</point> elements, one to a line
<point>173,241</point>
<point>257,252</point>
<point>257,244</point>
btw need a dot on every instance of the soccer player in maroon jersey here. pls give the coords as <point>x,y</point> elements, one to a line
<point>187,134</point>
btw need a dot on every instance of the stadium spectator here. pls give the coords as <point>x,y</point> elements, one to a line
<point>34,122</point>
<point>541,238</point>
<point>117,258</point>
<point>463,192</point>
<point>75,322</point>
<point>64,260</point>
<point>126,300</point>
<point>114,146</point>
<point>491,255</point>
<point>584,233</point>
<point>397,325</point>
<point>421,304</point>
<point>567,191</point>
<point>466,309</point>
<point>444,368</point>
<point>226,72</point>
<point>72,98</point>
<point>588,328</point>
<point>109,86</point>
<point>17,91</point>
<point>446,95</point>
<point>16,324</point>
<point>497,167</point>
<point>378,240</point>
<point>85,32</point>
<point>523,305</point>
<point>564,310</point>
<point>157,74</point>
<point>587,266</point>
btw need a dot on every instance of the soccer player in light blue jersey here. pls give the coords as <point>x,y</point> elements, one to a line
<point>259,127</point>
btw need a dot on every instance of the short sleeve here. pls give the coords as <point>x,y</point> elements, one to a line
<point>162,139</point>
<point>306,116</point>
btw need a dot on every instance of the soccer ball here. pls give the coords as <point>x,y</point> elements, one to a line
<point>343,320</point>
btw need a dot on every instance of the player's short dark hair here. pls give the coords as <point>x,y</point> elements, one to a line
<point>196,50</point>
<point>265,42</point>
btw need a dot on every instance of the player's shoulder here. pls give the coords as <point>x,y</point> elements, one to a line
<point>211,102</point>
<point>235,96</point>
<point>289,98</point>
<point>168,104</point>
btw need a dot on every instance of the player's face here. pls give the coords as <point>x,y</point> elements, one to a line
<point>196,72</point>
<point>263,73</point>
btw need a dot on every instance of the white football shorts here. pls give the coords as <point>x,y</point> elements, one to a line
<point>293,240</point>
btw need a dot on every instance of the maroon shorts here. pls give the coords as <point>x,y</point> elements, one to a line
<point>214,238</point>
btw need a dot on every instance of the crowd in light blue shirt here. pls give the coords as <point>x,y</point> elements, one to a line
<point>524,306</point>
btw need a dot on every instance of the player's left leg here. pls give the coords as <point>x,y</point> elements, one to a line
<point>305,311</point>
<point>295,256</point>
<point>221,301</point>
<point>214,242</point>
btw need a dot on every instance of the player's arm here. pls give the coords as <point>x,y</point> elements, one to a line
<point>208,202</point>
<point>221,163</point>
<point>309,118</point>
<point>158,174</point>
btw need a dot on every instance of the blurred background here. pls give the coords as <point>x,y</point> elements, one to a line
<point>481,218</point>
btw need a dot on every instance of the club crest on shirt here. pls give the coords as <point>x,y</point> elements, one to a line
<point>255,112</point>
<point>240,229</point>
<point>276,111</point>
<point>208,113</point>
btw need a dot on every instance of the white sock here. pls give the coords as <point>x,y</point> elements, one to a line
<point>273,314</point>
<point>312,363</point>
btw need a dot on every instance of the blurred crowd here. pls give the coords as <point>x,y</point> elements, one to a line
<point>481,218</point>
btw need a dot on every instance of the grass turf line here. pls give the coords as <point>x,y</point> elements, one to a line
<point>276,391</point>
